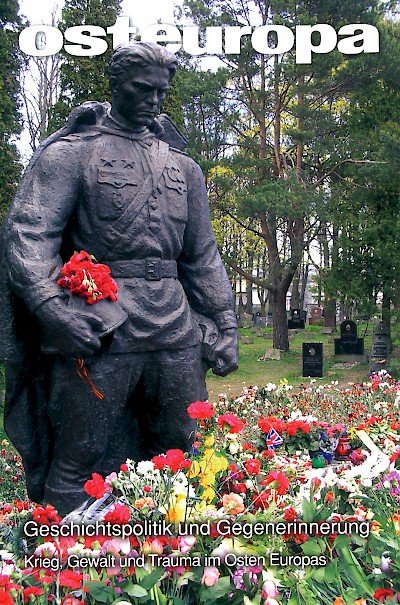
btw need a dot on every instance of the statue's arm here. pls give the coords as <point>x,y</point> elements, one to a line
<point>39,214</point>
<point>203,275</point>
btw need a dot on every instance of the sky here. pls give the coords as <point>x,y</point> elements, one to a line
<point>142,12</point>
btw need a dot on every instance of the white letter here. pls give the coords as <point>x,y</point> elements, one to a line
<point>213,41</point>
<point>77,36</point>
<point>285,40</point>
<point>121,31</point>
<point>169,33</point>
<point>233,36</point>
<point>304,46</point>
<point>371,43</point>
<point>32,43</point>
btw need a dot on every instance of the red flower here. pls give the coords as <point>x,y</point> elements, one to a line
<point>200,410</point>
<point>271,422</point>
<point>70,600</point>
<point>70,579</point>
<point>119,515</point>
<point>253,466</point>
<point>35,591</point>
<point>382,594</point>
<point>5,598</point>
<point>278,481</point>
<point>295,425</point>
<point>45,516</point>
<point>124,468</point>
<point>96,486</point>
<point>174,459</point>
<point>261,500</point>
<point>87,279</point>
<point>231,422</point>
<point>290,514</point>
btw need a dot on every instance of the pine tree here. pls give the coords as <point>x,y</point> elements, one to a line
<point>10,119</point>
<point>84,78</point>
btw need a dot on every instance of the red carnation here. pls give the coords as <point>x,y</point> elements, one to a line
<point>382,594</point>
<point>46,515</point>
<point>174,459</point>
<point>271,422</point>
<point>231,422</point>
<point>278,481</point>
<point>5,598</point>
<point>253,466</point>
<point>70,579</point>
<point>119,515</point>
<point>35,591</point>
<point>290,514</point>
<point>96,486</point>
<point>200,410</point>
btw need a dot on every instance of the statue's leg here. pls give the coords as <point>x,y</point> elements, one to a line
<point>84,425</point>
<point>171,381</point>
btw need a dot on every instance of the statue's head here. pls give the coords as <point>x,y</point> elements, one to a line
<point>139,78</point>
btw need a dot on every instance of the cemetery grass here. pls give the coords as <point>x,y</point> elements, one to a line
<point>253,372</point>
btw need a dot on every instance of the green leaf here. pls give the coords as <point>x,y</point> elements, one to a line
<point>152,578</point>
<point>221,588</point>
<point>100,592</point>
<point>312,548</point>
<point>308,510</point>
<point>137,591</point>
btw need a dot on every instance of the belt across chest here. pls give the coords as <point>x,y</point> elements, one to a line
<point>151,269</point>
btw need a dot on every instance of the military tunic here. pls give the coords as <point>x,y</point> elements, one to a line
<point>141,208</point>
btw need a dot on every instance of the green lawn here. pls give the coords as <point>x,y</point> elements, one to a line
<point>254,372</point>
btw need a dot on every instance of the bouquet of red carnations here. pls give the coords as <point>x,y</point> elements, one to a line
<point>88,279</point>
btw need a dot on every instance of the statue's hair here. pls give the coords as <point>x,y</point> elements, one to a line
<point>141,54</point>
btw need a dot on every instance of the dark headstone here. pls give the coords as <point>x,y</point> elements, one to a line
<point>269,319</point>
<point>381,347</point>
<point>313,360</point>
<point>349,343</point>
<point>296,321</point>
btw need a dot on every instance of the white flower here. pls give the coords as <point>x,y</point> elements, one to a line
<point>233,448</point>
<point>145,467</point>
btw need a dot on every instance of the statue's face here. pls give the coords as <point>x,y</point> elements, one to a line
<point>138,98</point>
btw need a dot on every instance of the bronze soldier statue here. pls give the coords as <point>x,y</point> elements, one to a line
<point>109,184</point>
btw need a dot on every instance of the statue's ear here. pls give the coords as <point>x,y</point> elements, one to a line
<point>113,84</point>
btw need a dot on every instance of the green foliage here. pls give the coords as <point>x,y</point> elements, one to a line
<point>84,78</point>
<point>10,120</point>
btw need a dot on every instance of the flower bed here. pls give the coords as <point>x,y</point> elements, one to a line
<point>244,519</point>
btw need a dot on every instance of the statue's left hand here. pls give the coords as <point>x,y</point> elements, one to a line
<point>226,353</point>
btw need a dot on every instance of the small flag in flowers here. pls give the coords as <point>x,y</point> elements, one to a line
<point>273,439</point>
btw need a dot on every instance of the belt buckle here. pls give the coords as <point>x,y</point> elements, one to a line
<point>153,269</point>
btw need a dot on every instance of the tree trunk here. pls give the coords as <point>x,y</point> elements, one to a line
<point>386,308</point>
<point>278,305</point>
<point>295,302</point>
<point>249,296</point>
<point>330,313</point>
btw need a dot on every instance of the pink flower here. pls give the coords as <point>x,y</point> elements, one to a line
<point>210,576</point>
<point>185,543</point>
<point>269,590</point>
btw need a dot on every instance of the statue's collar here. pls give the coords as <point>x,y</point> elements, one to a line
<point>119,127</point>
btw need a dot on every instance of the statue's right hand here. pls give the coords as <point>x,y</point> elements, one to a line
<point>72,333</point>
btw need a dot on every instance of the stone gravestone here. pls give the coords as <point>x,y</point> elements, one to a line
<point>269,319</point>
<point>313,359</point>
<point>260,321</point>
<point>296,321</point>
<point>247,320</point>
<point>381,348</point>
<point>349,343</point>
<point>315,316</point>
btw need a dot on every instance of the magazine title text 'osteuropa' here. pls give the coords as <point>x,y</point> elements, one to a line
<point>87,40</point>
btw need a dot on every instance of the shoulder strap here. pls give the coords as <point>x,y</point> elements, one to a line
<point>149,186</point>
